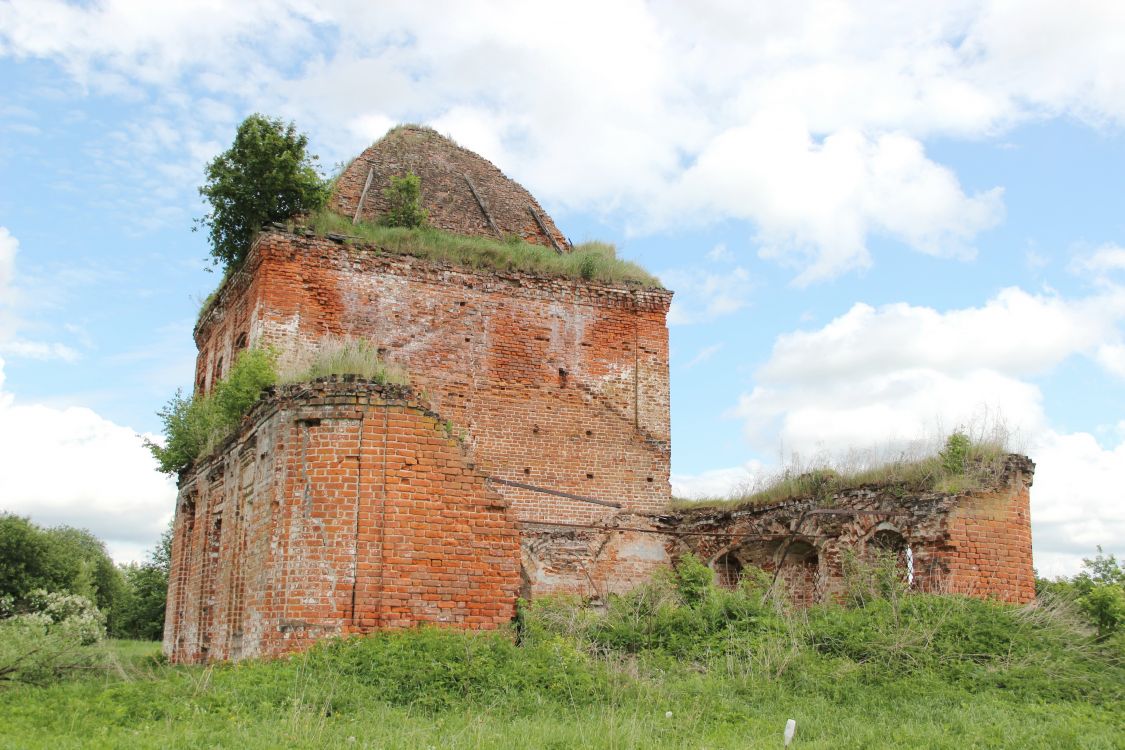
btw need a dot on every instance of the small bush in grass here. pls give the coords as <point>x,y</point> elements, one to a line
<point>47,636</point>
<point>1098,591</point>
<point>433,669</point>
<point>956,453</point>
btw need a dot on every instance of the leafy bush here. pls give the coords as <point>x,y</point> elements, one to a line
<point>45,638</point>
<point>195,426</point>
<point>266,175</point>
<point>405,198</point>
<point>1098,590</point>
<point>955,453</point>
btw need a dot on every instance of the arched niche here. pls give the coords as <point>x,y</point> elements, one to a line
<point>800,567</point>
<point>728,570</point>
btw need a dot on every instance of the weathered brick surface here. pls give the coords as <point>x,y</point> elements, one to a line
<point>443,167</point>
<point>338,508</point>
<point>556,383</point>
<point>976,543</point>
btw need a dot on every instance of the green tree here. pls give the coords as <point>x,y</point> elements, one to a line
<point>142,612</point>
<point>266,175</point>
<point>24,557</point>
<point>405,198</point>
<point>60,559</point>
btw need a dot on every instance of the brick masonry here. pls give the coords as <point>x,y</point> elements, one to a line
<point>976,543</point>
<point>338,508</point>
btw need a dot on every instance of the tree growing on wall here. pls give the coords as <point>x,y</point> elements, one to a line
<point>266,175</point>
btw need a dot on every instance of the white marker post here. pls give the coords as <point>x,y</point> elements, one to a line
<point>790,730</point>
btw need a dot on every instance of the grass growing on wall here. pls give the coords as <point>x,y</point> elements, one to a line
<point>677,664</point>
<point>964,462</point>
<point>591,261</point>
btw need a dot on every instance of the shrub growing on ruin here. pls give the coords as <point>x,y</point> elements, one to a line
<point>193,426</point>
<point>956,452</point>
<point>404,196</point>
<point>266,175</point>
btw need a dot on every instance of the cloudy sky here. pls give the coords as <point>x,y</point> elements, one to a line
<point>882,220</point>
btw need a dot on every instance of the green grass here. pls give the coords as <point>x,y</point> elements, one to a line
<point>924,671</point>
<point>337,356</point>
<point>983,460</point>
<point>591,261</point>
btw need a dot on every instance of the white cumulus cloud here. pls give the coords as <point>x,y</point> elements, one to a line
<point>807,119</point>
<point>71,466</point>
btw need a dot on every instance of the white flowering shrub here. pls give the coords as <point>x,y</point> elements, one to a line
<point>48,636</point>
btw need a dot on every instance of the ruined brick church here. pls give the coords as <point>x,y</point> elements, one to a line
<point>530,455</point>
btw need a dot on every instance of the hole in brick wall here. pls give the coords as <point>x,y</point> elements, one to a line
<point>461,303</point>
<point>589,476</point>
<point>466,339</point>
<point>648,479</point>
<point>527,471</point>
<point>589,433</point>
<point>562,377</point>
<point>241,342</point>
<point>535,429</point>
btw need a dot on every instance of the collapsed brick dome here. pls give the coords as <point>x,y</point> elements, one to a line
<point>463,192</point>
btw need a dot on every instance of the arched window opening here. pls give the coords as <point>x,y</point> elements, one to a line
<point>799,569</point>
<point>728,570</point>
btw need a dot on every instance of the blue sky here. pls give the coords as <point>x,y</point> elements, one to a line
<point>881,221</point>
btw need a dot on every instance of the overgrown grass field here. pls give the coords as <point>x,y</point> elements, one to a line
<point>677,664</point>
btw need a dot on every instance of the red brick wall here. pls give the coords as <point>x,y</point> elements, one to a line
<point>556,383</point>
<point>989,548</point>
<point>339,508</point>
<point>976,543</point>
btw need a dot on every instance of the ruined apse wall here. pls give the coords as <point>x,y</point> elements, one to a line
<point>556,383</point>
<point>976,543</point>
<point>338,508</point>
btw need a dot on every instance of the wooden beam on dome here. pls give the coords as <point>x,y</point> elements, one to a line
<point>363,195</point>
<point>483,208</point>
<point>539,221</point>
